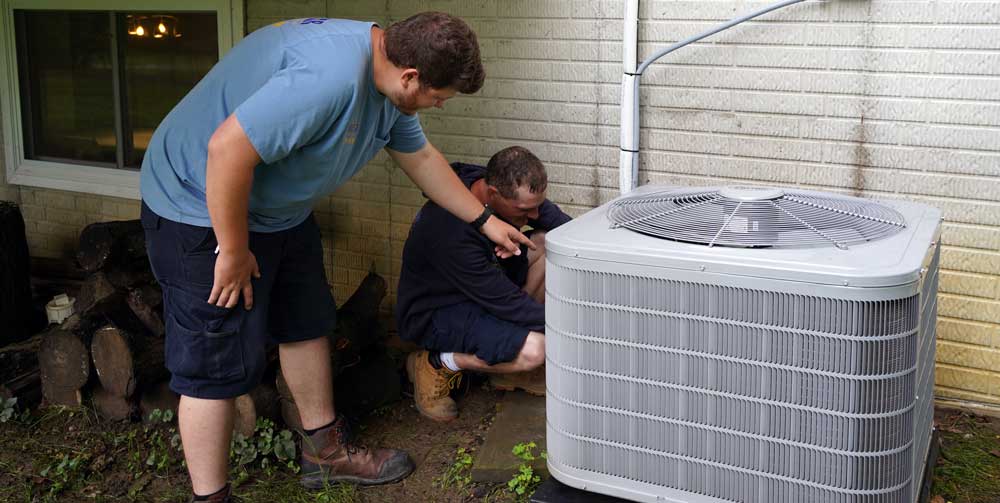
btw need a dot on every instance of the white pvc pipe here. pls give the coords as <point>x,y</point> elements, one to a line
<point>628,161</point>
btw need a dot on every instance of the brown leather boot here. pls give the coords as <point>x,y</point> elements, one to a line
<point>531,381</point>
<point>431,387</point>
<point>329,456</point>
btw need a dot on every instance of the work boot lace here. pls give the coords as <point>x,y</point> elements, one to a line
<point>445,383</point>
<point>346,437</point>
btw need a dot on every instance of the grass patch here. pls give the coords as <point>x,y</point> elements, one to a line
<point>285,488</point>
<point>968,468</point>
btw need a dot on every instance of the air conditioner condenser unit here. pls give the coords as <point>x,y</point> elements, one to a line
<point>742,344</point>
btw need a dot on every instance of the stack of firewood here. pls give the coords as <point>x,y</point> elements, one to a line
<point>112,347</point>
<point>111,351</point>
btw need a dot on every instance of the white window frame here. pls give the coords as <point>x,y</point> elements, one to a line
<point>77,177</point>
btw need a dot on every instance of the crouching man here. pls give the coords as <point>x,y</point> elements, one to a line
<point>468,308</point>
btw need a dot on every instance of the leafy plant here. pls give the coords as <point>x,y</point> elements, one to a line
<point>525,481</point>
<point>266,449</point>
<point>164,443</point>
<point>7,409</point>
<point>64,472</point>
<point>155,448</point>
<point>459,474</point>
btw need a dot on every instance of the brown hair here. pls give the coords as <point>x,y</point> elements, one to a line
<point>442,48</point>
<point>513,167</point>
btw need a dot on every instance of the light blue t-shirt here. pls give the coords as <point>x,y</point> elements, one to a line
<point>304,93</point>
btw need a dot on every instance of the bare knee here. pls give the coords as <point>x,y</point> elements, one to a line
<point>538,238</point>
<point>533,352</point>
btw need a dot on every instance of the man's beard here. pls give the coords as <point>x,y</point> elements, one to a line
<point>404,104</point>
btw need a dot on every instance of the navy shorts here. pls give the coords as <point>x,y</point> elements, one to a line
<point>214,352</point>
<point>468,328</point>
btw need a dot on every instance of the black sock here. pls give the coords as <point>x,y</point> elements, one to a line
<point>313,431</point>
<point>434,358</point>
<point>206,497</point>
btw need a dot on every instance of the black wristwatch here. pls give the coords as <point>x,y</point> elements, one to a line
<point>483,217</point>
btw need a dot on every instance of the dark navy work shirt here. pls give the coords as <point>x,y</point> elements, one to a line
<point>446,262</point>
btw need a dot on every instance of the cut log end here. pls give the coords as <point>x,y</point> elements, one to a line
<point>111,406</point>
<point>64,361</point>
<point>113,361</point>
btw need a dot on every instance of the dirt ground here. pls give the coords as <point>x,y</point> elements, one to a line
<point>73,456</point>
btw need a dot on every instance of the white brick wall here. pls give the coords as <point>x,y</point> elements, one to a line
<point>878,98</point>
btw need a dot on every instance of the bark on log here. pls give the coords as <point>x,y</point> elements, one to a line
<point>111,406</point>
<point>16,311</point>
<point>147,304</point>
<point>19,374</point>
<point>27,388</point>
<point>358,329</point>
<point>158,397</point>
<point>95,288</point>
<point>357,337</point>
<point>262,402</point>
<point>126,276</point>
<point>110,242</point>
<point>125,359</point>
<point>365,387</point>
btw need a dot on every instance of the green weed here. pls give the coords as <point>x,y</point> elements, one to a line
<point>524,482</point>
<point>459,474</point>
<point>266,449</point>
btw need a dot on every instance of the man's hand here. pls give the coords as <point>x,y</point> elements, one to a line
<point>507,238</point>
<point>232,277</point>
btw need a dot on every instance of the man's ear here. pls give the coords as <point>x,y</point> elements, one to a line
<point>410,77</point>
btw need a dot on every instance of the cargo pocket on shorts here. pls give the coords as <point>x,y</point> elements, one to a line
<point>206,344</point>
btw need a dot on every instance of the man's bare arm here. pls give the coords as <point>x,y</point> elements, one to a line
<point>228,178</point>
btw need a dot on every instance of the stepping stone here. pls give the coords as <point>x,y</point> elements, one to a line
<point>520,419</point>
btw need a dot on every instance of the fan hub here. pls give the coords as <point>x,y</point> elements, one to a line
<point>749,194</point>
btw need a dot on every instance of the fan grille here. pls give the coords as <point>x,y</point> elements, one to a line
<point>753,217</point>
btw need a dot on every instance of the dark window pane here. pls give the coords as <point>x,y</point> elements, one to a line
<point>67,97</point>
<point>165,55</point>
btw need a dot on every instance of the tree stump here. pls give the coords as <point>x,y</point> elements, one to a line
<point>16,311</point>
<point>262,402</point>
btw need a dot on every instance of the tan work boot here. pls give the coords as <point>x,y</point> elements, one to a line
<point>330,456</point>
<point>531,381</point>
<point>431,387</point>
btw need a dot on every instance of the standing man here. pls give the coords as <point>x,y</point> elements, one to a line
<point>470,310</point>
<point>228,184</point>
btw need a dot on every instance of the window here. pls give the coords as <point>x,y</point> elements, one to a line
<point>91,80</point>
